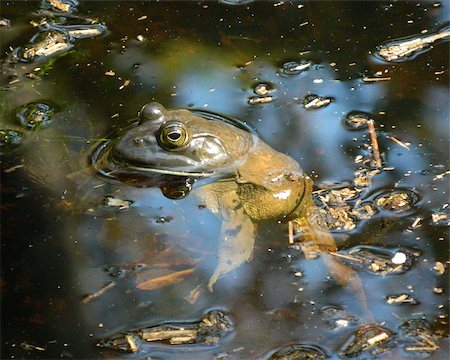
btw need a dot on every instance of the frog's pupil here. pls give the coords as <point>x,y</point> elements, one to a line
<point>174,136</point>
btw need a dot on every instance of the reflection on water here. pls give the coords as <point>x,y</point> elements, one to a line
<point>62,242</point>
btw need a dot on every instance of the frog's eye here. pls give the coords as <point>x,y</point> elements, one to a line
<point>173,135</point>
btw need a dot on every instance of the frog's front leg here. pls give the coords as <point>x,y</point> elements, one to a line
<point>237,233</point>
<point>236,244</point>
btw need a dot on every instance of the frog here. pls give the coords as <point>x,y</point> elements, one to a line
<point>250,182</point>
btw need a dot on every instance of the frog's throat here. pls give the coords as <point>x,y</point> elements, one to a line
<point>305,202</point>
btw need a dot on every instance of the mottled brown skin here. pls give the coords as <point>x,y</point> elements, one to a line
<point>255,182</point>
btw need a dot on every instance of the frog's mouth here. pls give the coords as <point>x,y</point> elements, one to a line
<point>108,164</point>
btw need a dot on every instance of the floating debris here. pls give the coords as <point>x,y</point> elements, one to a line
<point>10,137</point>
<point>338,195</point>
<point>336,210</point>
<point>65,6</point>
<point>98,293</point>
<point>295,67</point>
<point>334,218</point>
<point>313,102</point>
<point>30,347</point>
<point>35,115</point>
<point>439,267</point>
<point>154,279</point>
<point>364,211</point>
<point>363,177</point>
<point>210,330</point>
<point>337,318</point>
<point>397,141</point>
<point>440,218</point>
<point>418,336</point>
<point>397,201</point>
<point>260,100</point>
<point>368,79</point>
<point>5,22</point>
<point>401,299</point>
<point>374,142</point>
<point>380,260</point>
<point>122,342</point>
<point>441,175</point>
<point>408,48</point>
<point>356,120</point>
<point>299,352</point>
<point>44,44</point>
<point>81,31</point>
<point>368,337</point>
<point>13,168</point>
<point>262,89</point>
<point>115,202</point>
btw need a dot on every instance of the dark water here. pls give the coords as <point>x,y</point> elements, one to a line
<point>57,240</point>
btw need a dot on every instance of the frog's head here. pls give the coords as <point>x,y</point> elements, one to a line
<point>178,142</point>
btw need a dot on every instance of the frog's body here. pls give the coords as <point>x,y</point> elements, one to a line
<point>256,182</point>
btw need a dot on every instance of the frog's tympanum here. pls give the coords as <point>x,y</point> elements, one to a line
<point>252,181</point>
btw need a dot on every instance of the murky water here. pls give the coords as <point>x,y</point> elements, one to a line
<point>306,77</point>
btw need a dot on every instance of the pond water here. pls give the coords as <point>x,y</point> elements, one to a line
<point>301,75</point>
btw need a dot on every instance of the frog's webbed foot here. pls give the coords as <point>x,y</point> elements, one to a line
<point>316,241</point>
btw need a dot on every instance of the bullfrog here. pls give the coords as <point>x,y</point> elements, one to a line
<point>249,181</point>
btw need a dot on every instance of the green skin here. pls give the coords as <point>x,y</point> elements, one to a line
<point>256,182</point>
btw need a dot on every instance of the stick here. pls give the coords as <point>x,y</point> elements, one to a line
<point>291,233</point>
<point>95,295</point>
<point>373,139</point>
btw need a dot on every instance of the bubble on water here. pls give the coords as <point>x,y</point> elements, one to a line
<point>10,137</point>
<point>313,102</point>
<point>356,120</point>
<point>300,351</point>
<point>397,201</point>
<point>399,258</point>
<point>35,115</point>
<point>295,67</point>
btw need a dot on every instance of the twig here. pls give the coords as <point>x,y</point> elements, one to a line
<point>291,232</point>
<point>348,257</point>
<point>375,79</point>
<point>373,139</point>
<point>397,141</point>
<point>95,295</point>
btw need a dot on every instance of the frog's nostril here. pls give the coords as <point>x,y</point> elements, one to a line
<point>138,140</point>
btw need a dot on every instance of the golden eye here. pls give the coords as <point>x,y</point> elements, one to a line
<point>173,135</point>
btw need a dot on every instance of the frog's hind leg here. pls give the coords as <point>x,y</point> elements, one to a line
<point>315,241</point>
